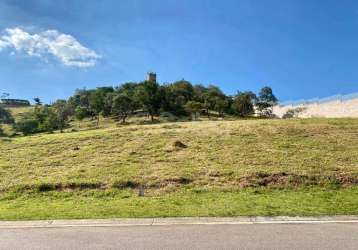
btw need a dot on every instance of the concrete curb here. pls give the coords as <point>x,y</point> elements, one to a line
<point>177,221</point>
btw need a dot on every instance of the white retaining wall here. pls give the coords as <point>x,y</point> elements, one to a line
<point>329,109</point>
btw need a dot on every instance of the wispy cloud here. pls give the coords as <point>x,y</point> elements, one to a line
<point>49,43</point>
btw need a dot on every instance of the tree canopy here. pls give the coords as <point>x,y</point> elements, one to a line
<point>177,99</point>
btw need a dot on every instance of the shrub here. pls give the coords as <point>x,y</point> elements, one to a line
<point>292,113</point>
<point>167,116</point>
<point>27,126</point>
<point>5,116</point>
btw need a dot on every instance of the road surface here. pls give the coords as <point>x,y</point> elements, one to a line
<point>256,236</point>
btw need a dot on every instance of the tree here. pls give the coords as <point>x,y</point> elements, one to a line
<point>211,96</point>
<point>107,107</point>
<point>80,98</point>
<point>123,104</point>
<point>193,108</point>
<point>96,104</point>
<point>46,118</point>
<point>97,101</point>
<point>81,113</point>
<point>27,126</point>
<point>63,111</point>
<point>266,100</point>
<point>5,116</point>
<point>243,104</point>
<point>150,98</point>
<point>80,104</point>
<point>37,101</point>
<point>176,95</point>
<point>293,113</point>
<point>221,105</point>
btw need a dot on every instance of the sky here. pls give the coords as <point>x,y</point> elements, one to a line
<point>301,48</point>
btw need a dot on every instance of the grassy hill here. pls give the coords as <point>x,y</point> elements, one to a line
<point>208,168</point>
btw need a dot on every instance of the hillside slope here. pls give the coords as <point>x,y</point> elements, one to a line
<point>187,169</point>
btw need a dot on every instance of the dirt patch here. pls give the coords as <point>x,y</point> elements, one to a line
<point>264,179</point>
<point>121,185</point>
<point>284,179</point>
<point>179,144</point>
<point>346,178</point>
<point>172,181</point>
<point>46,187</point>
<point>126,184</point>
<point>175,146</point>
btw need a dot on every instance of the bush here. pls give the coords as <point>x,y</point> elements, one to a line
<point>167,116</point>
<point>5,116</point>
<point>292,113</point>
<point>27,126</point>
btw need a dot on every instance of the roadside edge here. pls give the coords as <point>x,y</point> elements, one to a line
<point>177,221</point>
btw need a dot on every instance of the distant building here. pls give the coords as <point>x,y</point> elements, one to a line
<point>14,102</point>
<point>152,77</point>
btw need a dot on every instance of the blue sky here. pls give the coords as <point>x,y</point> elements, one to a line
<point>302,48</point>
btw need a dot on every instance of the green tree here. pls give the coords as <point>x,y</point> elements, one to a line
<point>96,104</point>
<point>5,118</point>
<point>80,98</point>
<point>243,104</point>
<point>81,113</point>
<point>27,125</point>
<point>176,95</point>
<point>150,98</point>
<point>123,105</point>
<point>37,101</point>
<point>193,108</point>
<point>221,105</point>
<point>107,107</point>
<point>46,118</point>
<point>63,111</point>
<point>80,104</point>
<point>266,101</point>
<point>211,97</point>
<point>97,101</point>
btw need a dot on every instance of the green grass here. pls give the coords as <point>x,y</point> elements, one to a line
<point>229,168</point>
<point>125,204</point>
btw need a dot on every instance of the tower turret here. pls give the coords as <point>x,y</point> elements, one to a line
<point>152,77</point>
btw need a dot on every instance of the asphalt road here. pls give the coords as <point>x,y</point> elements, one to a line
<point>257,236</point>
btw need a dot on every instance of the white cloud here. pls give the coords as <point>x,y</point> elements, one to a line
<point>3,44</point>
<point>49,43</point>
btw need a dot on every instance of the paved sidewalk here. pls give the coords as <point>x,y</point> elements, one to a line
<point>177,221</point>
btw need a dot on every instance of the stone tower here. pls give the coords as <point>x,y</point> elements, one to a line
<point>152,77</point>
